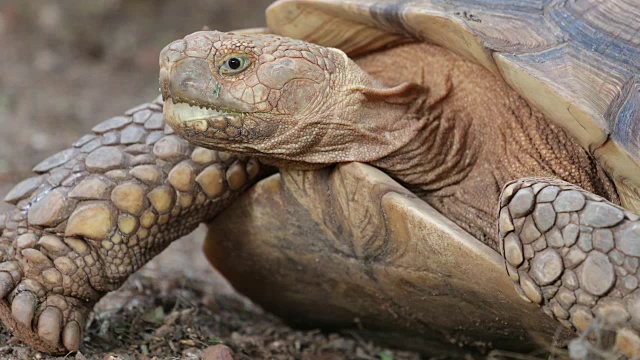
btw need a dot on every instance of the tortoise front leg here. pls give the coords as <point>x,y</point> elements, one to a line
<point>96,213</point>
<point>574,253</point>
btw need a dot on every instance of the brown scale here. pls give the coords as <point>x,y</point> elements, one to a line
<point>99,211</point>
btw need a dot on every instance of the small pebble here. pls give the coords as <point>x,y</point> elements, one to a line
<point>217,352</point>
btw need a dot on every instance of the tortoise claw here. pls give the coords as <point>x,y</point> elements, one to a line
<point>49,324</point>
<point>72,336</point>
<point>23,308</point>
<point>41,318</point>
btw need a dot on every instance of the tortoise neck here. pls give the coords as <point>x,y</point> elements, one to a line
<point>439,155</point>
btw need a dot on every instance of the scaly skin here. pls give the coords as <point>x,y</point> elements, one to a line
<point>455,137</point>
<point>96,213</point>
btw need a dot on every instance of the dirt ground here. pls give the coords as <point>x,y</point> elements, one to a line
<point>68,64</point>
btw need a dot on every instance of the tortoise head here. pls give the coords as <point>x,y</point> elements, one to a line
<point>285,101</point>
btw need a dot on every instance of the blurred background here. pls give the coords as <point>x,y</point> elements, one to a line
<point>67,65</point>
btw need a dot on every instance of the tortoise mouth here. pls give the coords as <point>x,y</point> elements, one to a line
<point>191,115</point>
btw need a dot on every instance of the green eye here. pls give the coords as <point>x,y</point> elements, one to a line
<point>235,65</point>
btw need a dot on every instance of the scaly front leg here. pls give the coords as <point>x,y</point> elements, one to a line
<point>99,211</point>
<point>574,253</point>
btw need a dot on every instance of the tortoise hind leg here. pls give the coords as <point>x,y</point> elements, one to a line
<point>574,253</point>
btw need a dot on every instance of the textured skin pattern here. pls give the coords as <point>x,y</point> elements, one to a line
<point>99,211</point>
<point>574,253</point>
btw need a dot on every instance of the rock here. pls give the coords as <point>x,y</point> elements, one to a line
<point>217,352</point>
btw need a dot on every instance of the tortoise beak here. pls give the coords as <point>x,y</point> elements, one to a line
<point>186,79</point>
<point>187,75</point>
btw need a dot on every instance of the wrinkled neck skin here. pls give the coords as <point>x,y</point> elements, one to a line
<point>398,129</point>
<point>430,149</point>
<point>395,128</point>
<point>424,170</point>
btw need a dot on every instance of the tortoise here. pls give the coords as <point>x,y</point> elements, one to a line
<point>447,103</point>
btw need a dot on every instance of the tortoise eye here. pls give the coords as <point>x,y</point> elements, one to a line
<point>235,65</point>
